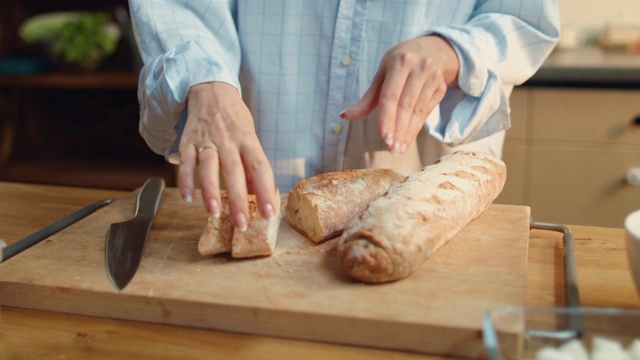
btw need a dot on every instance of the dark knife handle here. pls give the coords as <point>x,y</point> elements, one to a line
<point>51,229</point>
<point>149,198</point>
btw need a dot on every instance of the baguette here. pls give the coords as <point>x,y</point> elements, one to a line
<point>321,206</point>
<point>399,231</point>
<point>260,238</point>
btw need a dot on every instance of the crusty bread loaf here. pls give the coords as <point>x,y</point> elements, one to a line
<point>259,239</point>
<point>401,229</point>
<point>321,206</point>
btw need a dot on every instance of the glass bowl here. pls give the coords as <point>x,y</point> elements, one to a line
<point>522,333</point>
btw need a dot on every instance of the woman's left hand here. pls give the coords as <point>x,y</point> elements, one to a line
<point>411,81</point>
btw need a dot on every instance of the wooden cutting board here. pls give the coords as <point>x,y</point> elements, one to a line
<point>299,292</point>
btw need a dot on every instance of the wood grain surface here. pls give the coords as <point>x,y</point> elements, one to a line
<point>300,292</point>
<point>603,280</point>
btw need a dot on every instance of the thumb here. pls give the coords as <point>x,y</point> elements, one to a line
<point>367,104</point>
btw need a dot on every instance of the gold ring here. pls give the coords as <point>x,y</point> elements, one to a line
<point>206,147</point>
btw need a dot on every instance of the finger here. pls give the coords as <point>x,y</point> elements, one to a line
<point>209,180</point>
<point>186,169</point>
<point>412,91</point>
<point>369,101</point>
<point>260,178</point>
<point>429,98</point>
<point>390,94</point>
<point>234,179</point>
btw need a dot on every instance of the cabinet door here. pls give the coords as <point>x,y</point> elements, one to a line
<point>514,151</point>
<point>582,144</point>
<point>582,186</point>
<point>585,116</point>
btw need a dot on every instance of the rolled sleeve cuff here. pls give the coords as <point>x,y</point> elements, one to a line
<point>479,107</point>
<point>474,53</point>
<point>163,88</point>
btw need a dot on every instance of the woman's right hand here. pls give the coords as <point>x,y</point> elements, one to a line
<point>219,136</point>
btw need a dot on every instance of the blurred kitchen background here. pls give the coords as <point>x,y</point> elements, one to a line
<point>573,152</point>
<point>67,122</point>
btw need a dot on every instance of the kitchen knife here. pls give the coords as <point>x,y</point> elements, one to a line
<point>125,240</point>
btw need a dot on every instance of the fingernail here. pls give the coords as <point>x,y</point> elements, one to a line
<point>403,149</point>
<point>186,194</point>
<point>395,149</point>
<point>214,209</point>
<point>388,139</point>
<point>342,113</point>
<point>268,211</point>
<point>241,222</point>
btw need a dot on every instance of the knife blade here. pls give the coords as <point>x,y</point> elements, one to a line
<point>125,240</point>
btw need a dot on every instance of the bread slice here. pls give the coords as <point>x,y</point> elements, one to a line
<point>260,238</point>
<point>218,233</point>
<point>261,235</point>
<point>321,206</point>
<point>400,230</point>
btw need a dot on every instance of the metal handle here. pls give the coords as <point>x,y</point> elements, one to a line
<point>21,245</point>
<point>632,177</point>
<point>571,287</point>
<point>571,279</point>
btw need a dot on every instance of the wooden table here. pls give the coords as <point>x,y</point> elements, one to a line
<point>603,280</point>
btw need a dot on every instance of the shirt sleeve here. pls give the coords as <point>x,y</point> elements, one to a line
<point>502,45</point>
<point>182,43</point>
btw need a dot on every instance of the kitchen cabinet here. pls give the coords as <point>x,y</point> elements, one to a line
<point>514,152</point>
<point>569,151</point>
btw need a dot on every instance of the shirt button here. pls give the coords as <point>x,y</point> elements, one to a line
<point>337,128</point>
<point>346,60</point>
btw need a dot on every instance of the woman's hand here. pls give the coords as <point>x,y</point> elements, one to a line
<point>412,79</point>
<point>220,137</point>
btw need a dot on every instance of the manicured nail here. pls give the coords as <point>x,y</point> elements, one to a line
<point>394,149</point>
<point>241,222</point>
<point>403,148</point>
<point>214,209</point>
<point>388,139</point>
<point>186,194</point>
<point>268,211</point>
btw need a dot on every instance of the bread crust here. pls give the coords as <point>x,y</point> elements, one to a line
<point>321,206</point>
<point>261,235</point>
<point>401,229</point>
<point>259,239</point>
<point>218,233</point>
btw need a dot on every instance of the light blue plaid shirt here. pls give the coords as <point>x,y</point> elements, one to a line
<point>299,63</point>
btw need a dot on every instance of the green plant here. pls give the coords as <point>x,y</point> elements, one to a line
<point>84,40</point>
<point>77,39</point>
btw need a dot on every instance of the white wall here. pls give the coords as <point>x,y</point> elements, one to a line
<point>595,14</point>
<point>584,21</point>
